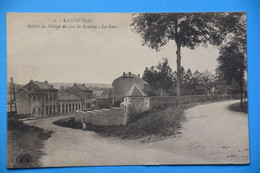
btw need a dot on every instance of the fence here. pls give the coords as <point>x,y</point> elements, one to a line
<point>133,106</point>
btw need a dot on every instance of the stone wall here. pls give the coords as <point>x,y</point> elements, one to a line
<point>133,106</point>
<point>102,117</point>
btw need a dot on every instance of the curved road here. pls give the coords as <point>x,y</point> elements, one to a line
<point>212,134</point>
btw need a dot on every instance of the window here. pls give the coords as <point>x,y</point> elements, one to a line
<point>70,108</point>
<point>79,106</point>
<point>50,97</point>
<point>50,109</point>
<point>47,110</point>
<point>39,98</point>
<point>73,107</point>
<point>58,108</point>
<point>54,97</point>
<point>47,98</point>
<point>54,109</point>
<point>33,110</point>
<point>39,110</point>
<point>34,98</point>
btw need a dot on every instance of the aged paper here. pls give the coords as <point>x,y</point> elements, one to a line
<point>91,89</point>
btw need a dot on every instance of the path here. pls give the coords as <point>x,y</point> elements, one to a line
<point>211,135</point>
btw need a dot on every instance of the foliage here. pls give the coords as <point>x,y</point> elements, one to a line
<point>186,29</point>
<point>232,59</point>
<point>151,125</point>
<point>197,83</point>
<point>160,78</point>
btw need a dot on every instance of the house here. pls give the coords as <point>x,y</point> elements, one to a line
<point>37,98</point>
<point>68,102</point>
<point>84,93</point>
<point>128,85</point>
<point>102,98</point>
<point>103,93</point>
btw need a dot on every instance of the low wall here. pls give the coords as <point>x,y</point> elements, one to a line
<point>102,117</point>
<point>133,106</point>
<point>103,103</point>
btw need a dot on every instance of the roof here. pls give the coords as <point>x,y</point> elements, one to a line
<point>67,96</point>
<point>82,87</point>
<point>33,91</point>
<point>44,85</point>
<point>135,91</point>
<point>124,83</point>
<point>106,91</point>
<point>36,87</point>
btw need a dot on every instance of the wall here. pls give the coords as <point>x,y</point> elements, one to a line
<point>23,103</point>
<point>103,103</point>
<point>103,117</point>
<point>48,102</point>
<point>133,106</point>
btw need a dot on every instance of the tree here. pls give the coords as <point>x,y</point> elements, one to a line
<point>232,56</point>
<point>185,29</point>
<point>159,77</point>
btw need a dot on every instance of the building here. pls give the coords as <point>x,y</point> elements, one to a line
<point>102,98</point>
<point>42,99</point>
<point>84,93</point>
<point>128,85</point>
<point>37,98</point>
<point>68,102</point>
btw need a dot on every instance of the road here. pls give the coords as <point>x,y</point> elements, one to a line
<point>212,134</point>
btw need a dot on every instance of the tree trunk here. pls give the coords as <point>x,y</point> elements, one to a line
<point>178,85</point>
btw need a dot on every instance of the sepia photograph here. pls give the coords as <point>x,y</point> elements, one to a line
<point>98,89</point>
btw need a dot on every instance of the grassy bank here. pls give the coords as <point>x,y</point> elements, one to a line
<point>152,125</point>
<point>24,144</point>
<point>236,107</point>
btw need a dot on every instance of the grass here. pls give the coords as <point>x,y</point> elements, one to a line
<point>152,125</point>
<point>24,144</point>
<point>236,107</point>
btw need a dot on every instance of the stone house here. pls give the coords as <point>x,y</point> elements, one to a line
<point>68,102</point>
<point>37,98</point>
<point>84,93</point>
<point>128,85</point>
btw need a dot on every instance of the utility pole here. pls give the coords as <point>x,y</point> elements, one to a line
<point>12,102</point>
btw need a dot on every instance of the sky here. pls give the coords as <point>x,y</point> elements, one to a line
<point>89,54</point>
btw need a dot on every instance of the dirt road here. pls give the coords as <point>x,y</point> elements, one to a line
<point>211,135</point>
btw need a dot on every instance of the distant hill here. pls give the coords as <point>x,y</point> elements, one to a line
<point>92,86</point>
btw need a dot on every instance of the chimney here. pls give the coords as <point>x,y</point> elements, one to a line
<point>129,73</point>
<point>31,80</point>
<point>83,84</point>
<point>124,74</point>
<point>46,81</point>
<point>138,75</point>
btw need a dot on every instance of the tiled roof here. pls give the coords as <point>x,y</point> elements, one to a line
<point>83,87</point>
<point>135,91</point>
<point>31,91</point>
<point>67,96</point>
<point>44,85</point>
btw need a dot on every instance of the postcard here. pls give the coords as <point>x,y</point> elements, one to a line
<point>96,89</point>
